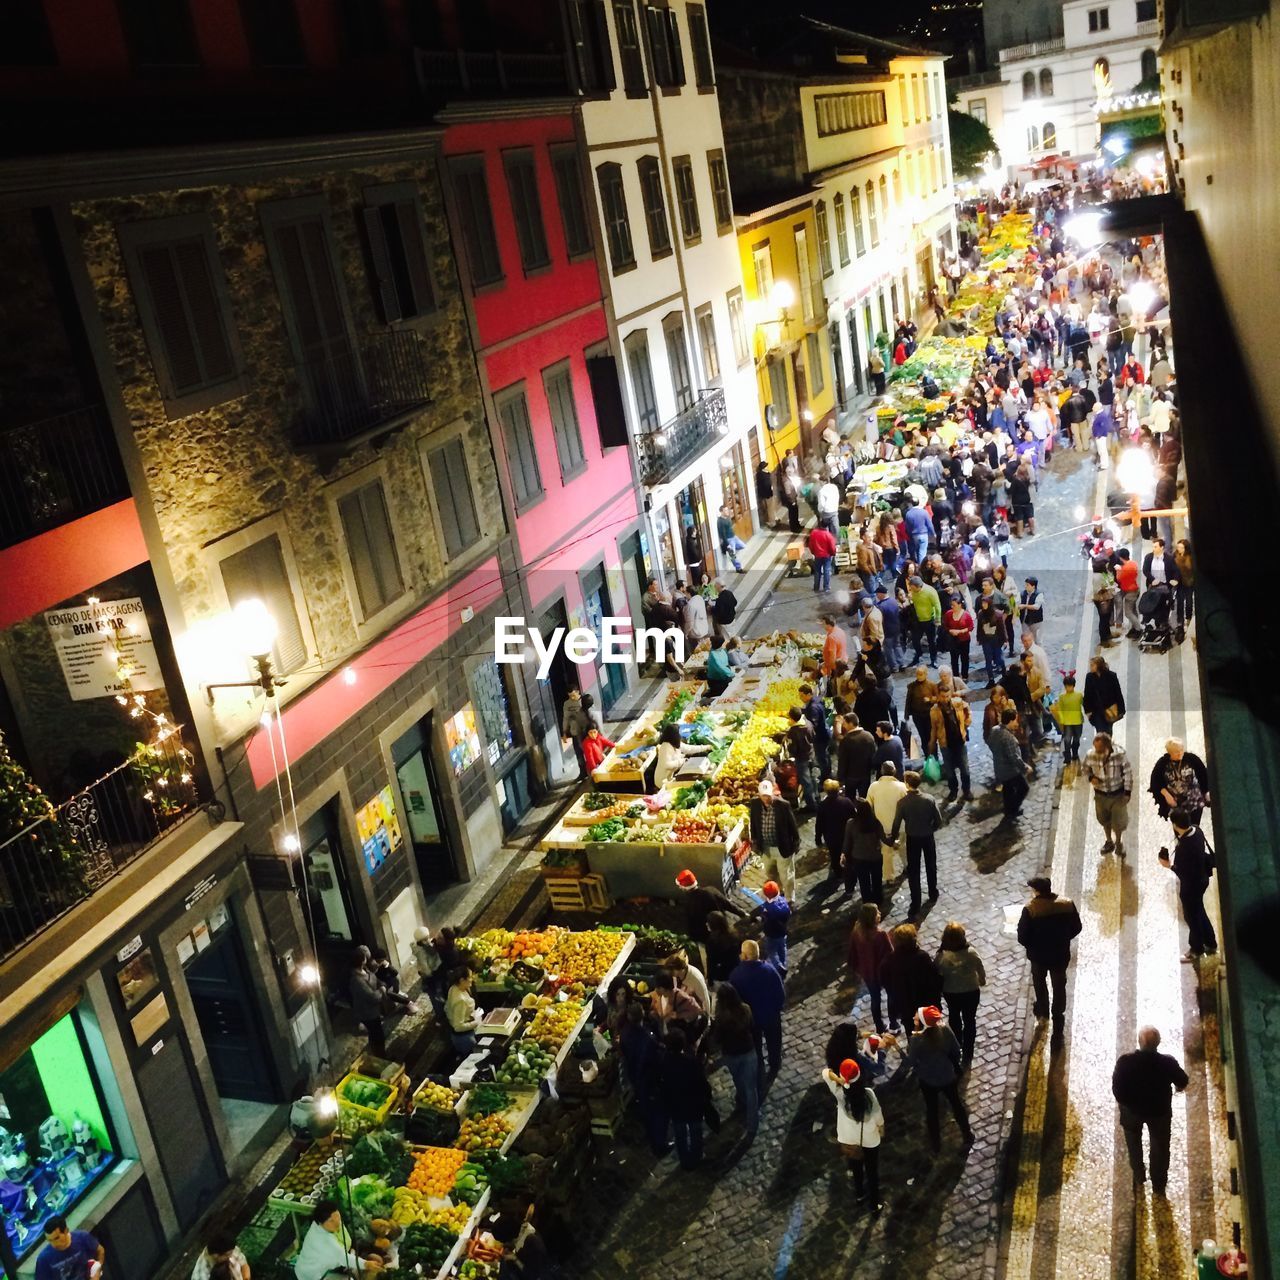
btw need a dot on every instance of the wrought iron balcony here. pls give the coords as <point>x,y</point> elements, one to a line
<point>69,853</point>
<point>685,437</point>
<point>357,390</point>
<point>56,470</point>
<point>444,74</point>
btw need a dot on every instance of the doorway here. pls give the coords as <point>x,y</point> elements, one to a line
<point>855,350</point>
<point>737,494</point>
<point>420,789</point>
<point>231,1027</point>
<point>837,365</point>
<point>597,606</point>
<point>633,551</point>
<point>894,303</point>
<point>808,447</point>
<point>328,905</point>
<point>699,557</point>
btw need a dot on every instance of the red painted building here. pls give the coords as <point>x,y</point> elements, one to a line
<point>524,235</point>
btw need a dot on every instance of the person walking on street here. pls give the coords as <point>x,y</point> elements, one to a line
<point>800,744</point>
<point>917,705</point>
<point>859,1129</point>
<point>700,901</point>
<point>1068,714</point>
<point>1103,698</point>
<point>855,756</point>
<point>822,547</point>
<point>764,493</point>
<point>788,487</point>
<point>1111,776</point>
<point>1011,771</point>
<point>684,1092</point>
<point>1031,607</point>
<point>909,976</point>
<point>926,611</point>
<point>575,720</point>
<point>775,836</point>
<point>1179,779</point>
<point>368,1001</point>
<point>1143,1083</point>
<point>733,1033</point>
<point>863,865</point>
<point>1045,929</point>
<point>949,721</point>
<point>760,985</point>
<point>829,823</point>
<point>919,815</point>
<point>730,543</point>
<point>869,948</point>
<point>934,1054</point>
<point>963,977</point>
<point>775,920</point>
<point>883,796</point>
<point>1192,863</point>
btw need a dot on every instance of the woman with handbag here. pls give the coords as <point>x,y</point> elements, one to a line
<point>859,1129</point>
<point>1103,697</point>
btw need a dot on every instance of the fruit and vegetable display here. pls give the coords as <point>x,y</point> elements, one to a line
<point>434,1170</point>
<point>480,1132</point>
<point>678,702</point>
<point>584,956</point>
<point>370,1197</point>
<point>437,1097</point>
<point>315,1172</point>
<point>595,800</point>
<point>651,943</point>
<point>363,1092</point>
<point>426,1247</point>
<point>383,1155</point>
<point>502,1172</point>
<point>553,1024</point>
<point>612,830</point>
<point>525,1065</point>
<point>485,1099</point>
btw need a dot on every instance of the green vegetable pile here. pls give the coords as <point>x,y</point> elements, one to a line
<point>636,810</point>
<point>371,1197</point>
<point>425,1246</point>
<point>526,1064</point>
<point>470,1183</point>
<point>365,1093</point>
<point>383,1155</point>
<point>691,797</point>
<point>702,734</point>
<point>613,829</point>
<point>560,857</point>
<point>595,800</point>
<point>504,1173</point>
<point>485,1099</point>
<point>678,704</point>
<point>650,942</point>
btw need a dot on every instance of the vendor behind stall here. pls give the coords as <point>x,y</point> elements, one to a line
<point>326,1248</point>
<point>719,669</point>
<point>460,1012</point>
<point>669,760</point>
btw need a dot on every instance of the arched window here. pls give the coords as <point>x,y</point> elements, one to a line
<point>1046,83</point>
<point>1049,135</point>
<point>1150,67</point>
<point>1033,137</point>
<point>1028,84</point>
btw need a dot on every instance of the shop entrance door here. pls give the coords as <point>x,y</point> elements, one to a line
<point>596,603</point>
<point>699,556</point>
<point>737,496</point>
<point>837,364</point>
<point>328,906</point>
<point>420,790</point>
<point>563,675</point>
<point>855,348</point>
<point>808,446</point>
<point>228,1017</point>
<point>633,551</point>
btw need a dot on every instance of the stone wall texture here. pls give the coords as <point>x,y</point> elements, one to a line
<point>763,133</point>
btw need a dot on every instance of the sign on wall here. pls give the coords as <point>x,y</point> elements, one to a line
<point>462,739</point>
<point>88,639</point>
<point>379,829</point>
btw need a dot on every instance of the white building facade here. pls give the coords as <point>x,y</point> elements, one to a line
<point>1053,90</point>
<point>673,286</point>
<point>884,203</point>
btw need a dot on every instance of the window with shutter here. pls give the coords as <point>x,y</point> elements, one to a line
<point>181,295</point>
<point>624,21</point>
<point>613,206</point>
<point>517,437</point>
<point>371,548</point>
<point>589,39</point>
<point>471,194</point>
<point>450,478</point>
<point>703,72</point>
<point>314,305</point>
<point>573,204</point>
<point>842,229</point>
<point>641,371</point>
<point>817,374</point>
<point>606,400</point>
<point>557,382</point>
<point>779,392</point>
<point>526,207</point>
<point>720,200</point>
<point>855,209</point>
<point>824,237</point>
<point>259,573</point>
<point>678,361</point>
<point>738,326</point>
<point>687,199</point>
<point>707,341</point>
<point>655,210</point>
<point>394,229</point>
<point>664,46</point>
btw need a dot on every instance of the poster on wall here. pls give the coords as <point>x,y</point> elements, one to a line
<point>463,739</point>
<point>88,639</point>
<point>379,829</point>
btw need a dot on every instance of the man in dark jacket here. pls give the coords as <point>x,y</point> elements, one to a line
<point>815,712</point>
<point>1192,863</point>
<point>1045,930</point>
<point>834,812</point>
<point>759,984</point>
<point>700,901</point>
<point>1143,1083</point>
<point>855,757</point>
<point>918,813</point>
<point>775,837</point>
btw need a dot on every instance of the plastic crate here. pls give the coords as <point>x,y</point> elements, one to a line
<point>375,1116</point>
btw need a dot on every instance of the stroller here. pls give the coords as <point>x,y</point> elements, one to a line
<point>1154,607</point>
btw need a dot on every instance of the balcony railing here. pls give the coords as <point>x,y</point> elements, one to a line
<point>356,390</point>
<point>55,470</point>
<point>685,437</point>
<point>64,857</point>
<point>1149,27</point>
<point>1036,49</point>
<point>449,73</point>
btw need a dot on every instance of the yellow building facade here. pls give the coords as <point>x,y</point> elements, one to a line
<point>786,326</point>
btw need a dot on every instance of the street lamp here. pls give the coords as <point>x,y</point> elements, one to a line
<point>253,631</point>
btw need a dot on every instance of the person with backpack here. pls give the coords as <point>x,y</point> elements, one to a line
<point>1192,863</point>
<point>859,1129</point>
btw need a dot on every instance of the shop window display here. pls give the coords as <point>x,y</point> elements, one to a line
<point>54,1140</point>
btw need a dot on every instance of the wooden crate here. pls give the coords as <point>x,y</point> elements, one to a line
<point>583,893</point>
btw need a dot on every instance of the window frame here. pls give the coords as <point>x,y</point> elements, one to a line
<point>842,228</point>
<point>136,236</point>
<point>272,526</point>
<point>721,195</point>
<point>427,446</point>
<point>648,419</point>
<point>1049,135</point>
<point>738,326</point>
<point>873,223</point>
<point>509,395</point>
<point>1029,85</point>
<point>666,49</point>
<point>571,468</point>
<point>376,197</point>
<point>674,330</point>
<point>1044,83</point>
<point>855,216</point>
<point>814,364</point>
<point>825,263</point>
<point>566,163</point>
<point>520,167</point>
<point>712,374</point>
<point>654,203</point>
<point>776,365</point>
<point>635,82</point>
<point>470,164</point>
<point>336,494</point>
<point>804,273</point>
<point>611,169</point>
<point>978,109</point>
<point>686,200</point>
<point>698,13</point>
